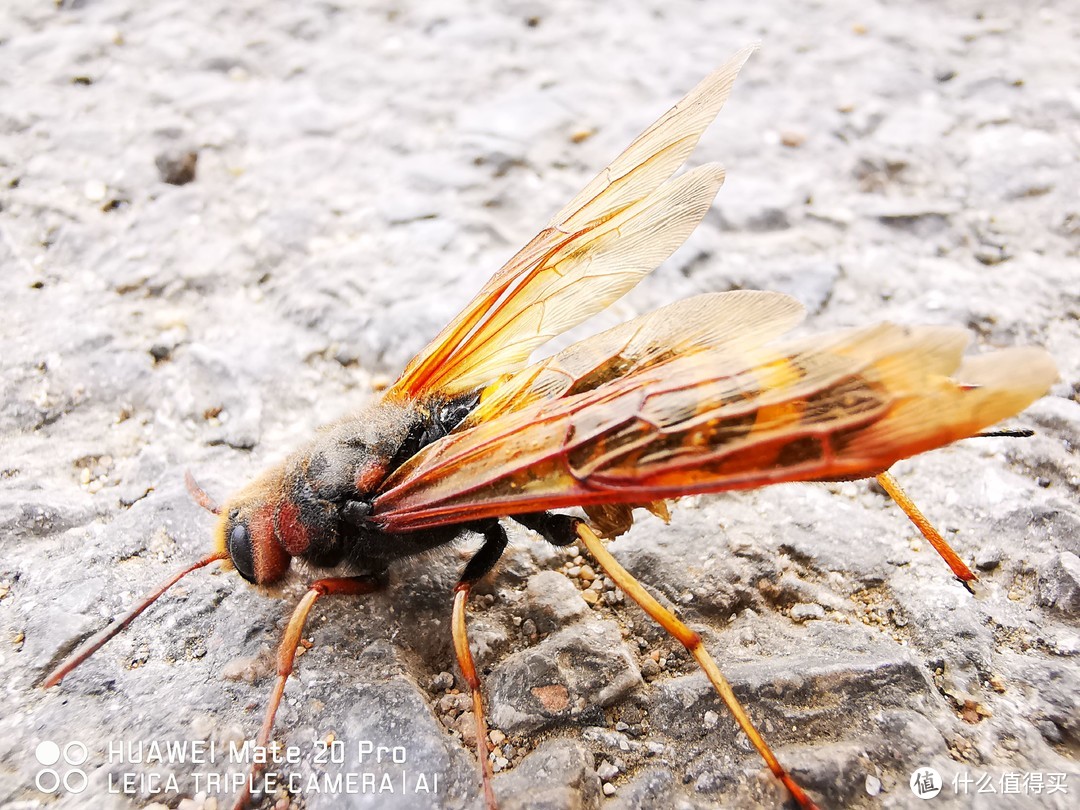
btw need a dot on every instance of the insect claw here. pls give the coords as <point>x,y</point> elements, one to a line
<point>976,588</point>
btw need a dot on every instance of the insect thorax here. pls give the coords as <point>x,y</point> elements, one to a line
<point>329,485</point>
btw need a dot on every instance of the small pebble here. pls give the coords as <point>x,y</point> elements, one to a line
<point>804,611</point>
<point>792,139</point>
<point>607,771</point>
<point>987,559</point>
<point>95,190</point>
<point>452,704</point>
<point>177,167</point>
<point>711,719</point>
<point>590,596</point>
<point>466,726</point>
<point>609,789</point>
<point>873,785</point>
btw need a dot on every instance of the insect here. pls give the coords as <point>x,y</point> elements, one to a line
<point>701,396</point>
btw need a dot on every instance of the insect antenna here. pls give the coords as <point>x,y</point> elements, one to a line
<point>95,642</point>
<point>199,495</point>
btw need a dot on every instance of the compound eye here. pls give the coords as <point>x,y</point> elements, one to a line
<point>240,551</point>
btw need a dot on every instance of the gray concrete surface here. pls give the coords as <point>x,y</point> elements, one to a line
<point>360,169</point>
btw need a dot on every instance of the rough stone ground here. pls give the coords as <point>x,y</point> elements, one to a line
<point>361,168</point>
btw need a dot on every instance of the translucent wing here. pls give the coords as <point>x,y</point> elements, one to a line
<point>624,223</point>
<point>842,406</point>
<point>734,321</point>
<point>739,320</point>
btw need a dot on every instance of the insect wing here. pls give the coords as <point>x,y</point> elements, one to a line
<point>693,324</point>
<point>842,406</point>
<point>622,225</point>
<point>739,320</point>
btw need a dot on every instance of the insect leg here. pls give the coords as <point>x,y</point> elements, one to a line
<point>482,562</point>
<point>962,572</point>
<point>559,530</point>
<point>287,654</point>
<point>692,641</point>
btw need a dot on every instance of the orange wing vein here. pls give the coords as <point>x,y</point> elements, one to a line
<point>751,317</point>
<point>846,405</point>
<point>621,226</point>
<point>747,318</point>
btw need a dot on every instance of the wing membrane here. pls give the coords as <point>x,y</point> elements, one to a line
<point>618,229</point>
<point>656,153</point>
<point>735,321</point>
<point>847,405</point>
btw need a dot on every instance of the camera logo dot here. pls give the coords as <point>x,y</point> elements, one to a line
<point>49,779</point>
